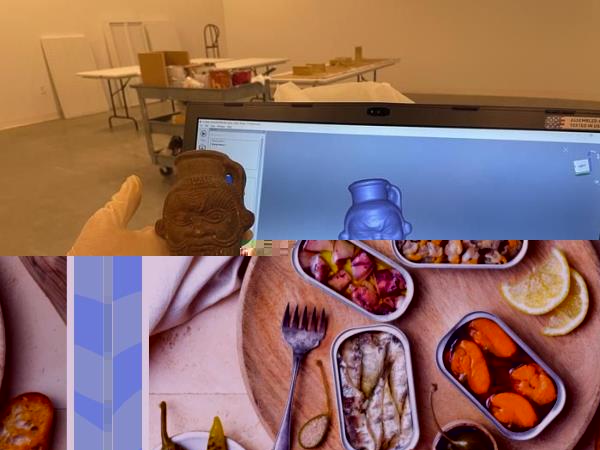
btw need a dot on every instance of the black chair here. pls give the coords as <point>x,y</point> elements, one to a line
<point>211,41</point>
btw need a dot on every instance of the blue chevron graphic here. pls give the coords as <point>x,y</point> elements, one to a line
<point>128,371</point>
<point>128,276</point>
<point>88,433</point>
<point>89,277</point>
<point>90,410</point>
<point>88,329</point>
<point>108,353</point>
<point>88,373</point>
<point>127,330</point>
<point>128,418</point>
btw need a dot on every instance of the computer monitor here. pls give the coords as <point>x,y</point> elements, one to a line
<point>328,171</point>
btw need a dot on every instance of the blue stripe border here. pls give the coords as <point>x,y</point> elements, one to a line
<point>108,353</point>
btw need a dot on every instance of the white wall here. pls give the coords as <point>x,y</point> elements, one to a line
<point>25,90</point>
<point>512,47</point>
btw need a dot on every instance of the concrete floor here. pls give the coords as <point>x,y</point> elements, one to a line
<point>56,174</point>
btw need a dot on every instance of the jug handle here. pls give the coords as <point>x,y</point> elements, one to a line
<point>394,195</point>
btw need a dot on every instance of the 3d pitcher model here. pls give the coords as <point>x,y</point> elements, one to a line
<point>376,211</point>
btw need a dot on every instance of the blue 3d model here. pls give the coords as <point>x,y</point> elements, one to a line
<point>376,211</point>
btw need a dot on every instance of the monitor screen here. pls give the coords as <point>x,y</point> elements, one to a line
<point>328,181</point>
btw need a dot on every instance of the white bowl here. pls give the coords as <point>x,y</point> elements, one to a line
<point>464,423</point>
<point>198,440</point>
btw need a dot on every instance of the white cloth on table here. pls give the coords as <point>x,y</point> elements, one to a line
<point>367,91</point>
<point>177,288</point>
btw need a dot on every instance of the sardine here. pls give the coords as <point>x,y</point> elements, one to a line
<point>375,413</point>
<point>406,425</point>
<point>374,380</point>
<point>351,360</point>
<point>398,377</point>
<point>355,418</point>
<point>391,419</point>
<point>373,358</point>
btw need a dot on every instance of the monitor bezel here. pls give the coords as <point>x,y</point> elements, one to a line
<point>380,114</point>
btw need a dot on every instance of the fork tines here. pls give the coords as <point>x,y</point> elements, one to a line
<point>302,322</point>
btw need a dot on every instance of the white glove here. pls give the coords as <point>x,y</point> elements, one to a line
<point>106,233</point>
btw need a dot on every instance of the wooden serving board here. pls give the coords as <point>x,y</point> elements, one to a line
<point>442,297</point>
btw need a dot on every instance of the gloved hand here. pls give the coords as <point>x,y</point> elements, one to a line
<point>106,233</point>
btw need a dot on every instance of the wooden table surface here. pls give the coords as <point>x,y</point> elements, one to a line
<point>442,297</point>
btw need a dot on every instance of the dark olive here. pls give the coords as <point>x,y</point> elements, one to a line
<point>463,438</point>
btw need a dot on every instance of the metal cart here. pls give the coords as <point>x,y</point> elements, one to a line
<point>164,124</point>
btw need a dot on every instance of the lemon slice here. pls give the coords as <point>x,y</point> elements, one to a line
<point>546,287</point>
<point>570,313</point>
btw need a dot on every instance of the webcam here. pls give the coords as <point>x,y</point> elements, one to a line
<point>378,111</point>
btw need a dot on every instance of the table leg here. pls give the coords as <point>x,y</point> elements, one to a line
<point>375,75</point>
<point>267,93</point>
<point>125,105</point>
<point>112,102</point>
<point>115,113</point>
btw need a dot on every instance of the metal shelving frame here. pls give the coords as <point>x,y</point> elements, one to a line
<point>164,124</point>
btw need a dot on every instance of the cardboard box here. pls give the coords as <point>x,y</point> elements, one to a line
<point>153,66</point>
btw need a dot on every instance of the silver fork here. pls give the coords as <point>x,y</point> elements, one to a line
<point>302,337</point>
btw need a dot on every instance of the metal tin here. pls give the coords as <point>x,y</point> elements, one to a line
<point>513,262</point>
<point>339,340</point>
<point>410,288</point>
<point>560,386</point>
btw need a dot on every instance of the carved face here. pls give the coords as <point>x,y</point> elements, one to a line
<point>201,218</point>
<point>376,224</point>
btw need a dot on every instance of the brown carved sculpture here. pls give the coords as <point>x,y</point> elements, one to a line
<point>204,213</point>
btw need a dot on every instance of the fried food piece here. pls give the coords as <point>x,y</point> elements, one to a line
<point>494,257</point>
<point>27,423</point>
<point>488,245</point>
<point>468,363</point>
<point>513,410</point>
<point>490,337</point>
<point>532,382</point>
<point>512,248</point>
<point>453,251</point>
<point>435,252</point>
<point>470,256</point>
<point>415,250</point>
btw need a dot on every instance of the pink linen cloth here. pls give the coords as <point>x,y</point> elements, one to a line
<point>176,288</point>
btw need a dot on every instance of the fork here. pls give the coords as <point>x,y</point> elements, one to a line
<point>302,337</point>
